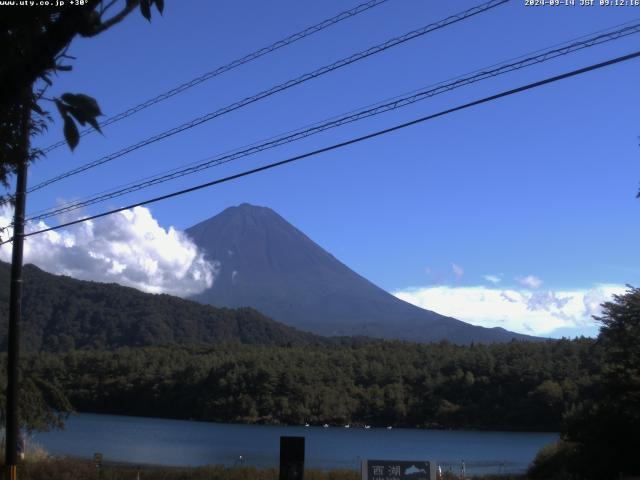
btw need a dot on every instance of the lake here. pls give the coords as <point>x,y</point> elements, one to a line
<point>181,443</point>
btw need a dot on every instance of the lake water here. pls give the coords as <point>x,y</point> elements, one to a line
<point>178,442</point>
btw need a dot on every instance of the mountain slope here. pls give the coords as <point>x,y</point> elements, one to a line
<point>61,313</point>
<point>268,264</point>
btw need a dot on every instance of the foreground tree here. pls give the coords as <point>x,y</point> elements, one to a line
<point>606,428</point>
<point>44,403</point>
<point>600,434</point>
<point>34,41</point>
<point>33,46</point>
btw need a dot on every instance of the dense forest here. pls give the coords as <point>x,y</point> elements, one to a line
<point>110,349</point>
<point>587,389</point>
<point>514,386</point>
<point>61,313</point>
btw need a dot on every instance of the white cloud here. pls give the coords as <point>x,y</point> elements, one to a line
<point>492,278</point>
<point>533,313</point>
<point>530,281</point>
<point>128,247</point>
<point>458,271</point>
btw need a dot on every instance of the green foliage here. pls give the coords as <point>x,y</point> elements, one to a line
<point>556,462</point>
<point>42,403</point>
<point>237,365</point>
<point>145,7</point>
<point>515,386</point>
<point>33,48</point>
<point>605,424</point>
<point>81,108</point>
<point>61,313</point>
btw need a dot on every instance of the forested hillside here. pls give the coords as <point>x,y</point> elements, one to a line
<point>61,313</point>
<point>514,386</point>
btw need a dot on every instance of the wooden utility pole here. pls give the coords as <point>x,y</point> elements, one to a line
<point>15,296</point>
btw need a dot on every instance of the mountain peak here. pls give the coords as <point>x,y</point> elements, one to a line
<point>267,263</point>
<point>246,207</point>
<point>245,212</point>
<point>255,240</point>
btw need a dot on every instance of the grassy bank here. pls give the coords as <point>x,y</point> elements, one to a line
<point>75,469</point>
<point>39,465</point>
<point>64,468</point>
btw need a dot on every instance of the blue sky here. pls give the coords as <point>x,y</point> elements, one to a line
<point>535,190</point>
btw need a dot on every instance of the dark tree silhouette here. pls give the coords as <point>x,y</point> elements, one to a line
<point>33,47</point>
<point>606,425</point>
<point>600,432</point>
<point>34,41</point>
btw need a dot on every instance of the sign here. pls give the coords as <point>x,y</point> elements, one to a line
<point>398,470</point>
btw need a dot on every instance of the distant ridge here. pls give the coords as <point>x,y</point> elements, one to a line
<point>270,265</point>
<point>60,313</point>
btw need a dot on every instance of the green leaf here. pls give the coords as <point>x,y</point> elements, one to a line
<point>62,108</point>
<point>94,124</point>
<point>71,132</point>
<point>78,114</point>
<point>87,104</point>
<point>145,8</point>
<point>160,6</point>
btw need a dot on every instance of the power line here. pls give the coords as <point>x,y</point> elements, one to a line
<point>398,102</point>
<point>278,88</point>
<point>352,141</point>
<point>230,66</point>
<point>603,35</point>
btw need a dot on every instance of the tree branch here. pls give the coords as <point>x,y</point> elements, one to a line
<point>103,26</point>
<point>104,8</point>
<point>39,56</point>
<point>46,47</point>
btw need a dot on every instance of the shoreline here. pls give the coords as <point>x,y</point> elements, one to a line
<point>151,442</point>
<point>353,425</point>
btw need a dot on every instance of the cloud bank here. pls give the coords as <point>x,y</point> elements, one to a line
<point>520,310</point>
<point>129,248</point>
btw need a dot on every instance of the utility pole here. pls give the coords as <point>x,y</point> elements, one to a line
<point>12,430</point>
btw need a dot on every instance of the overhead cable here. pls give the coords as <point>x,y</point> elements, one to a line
<point>398,102</point>
<point>352,141</point>
<point>278,88</point>
<point>229,66</point>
